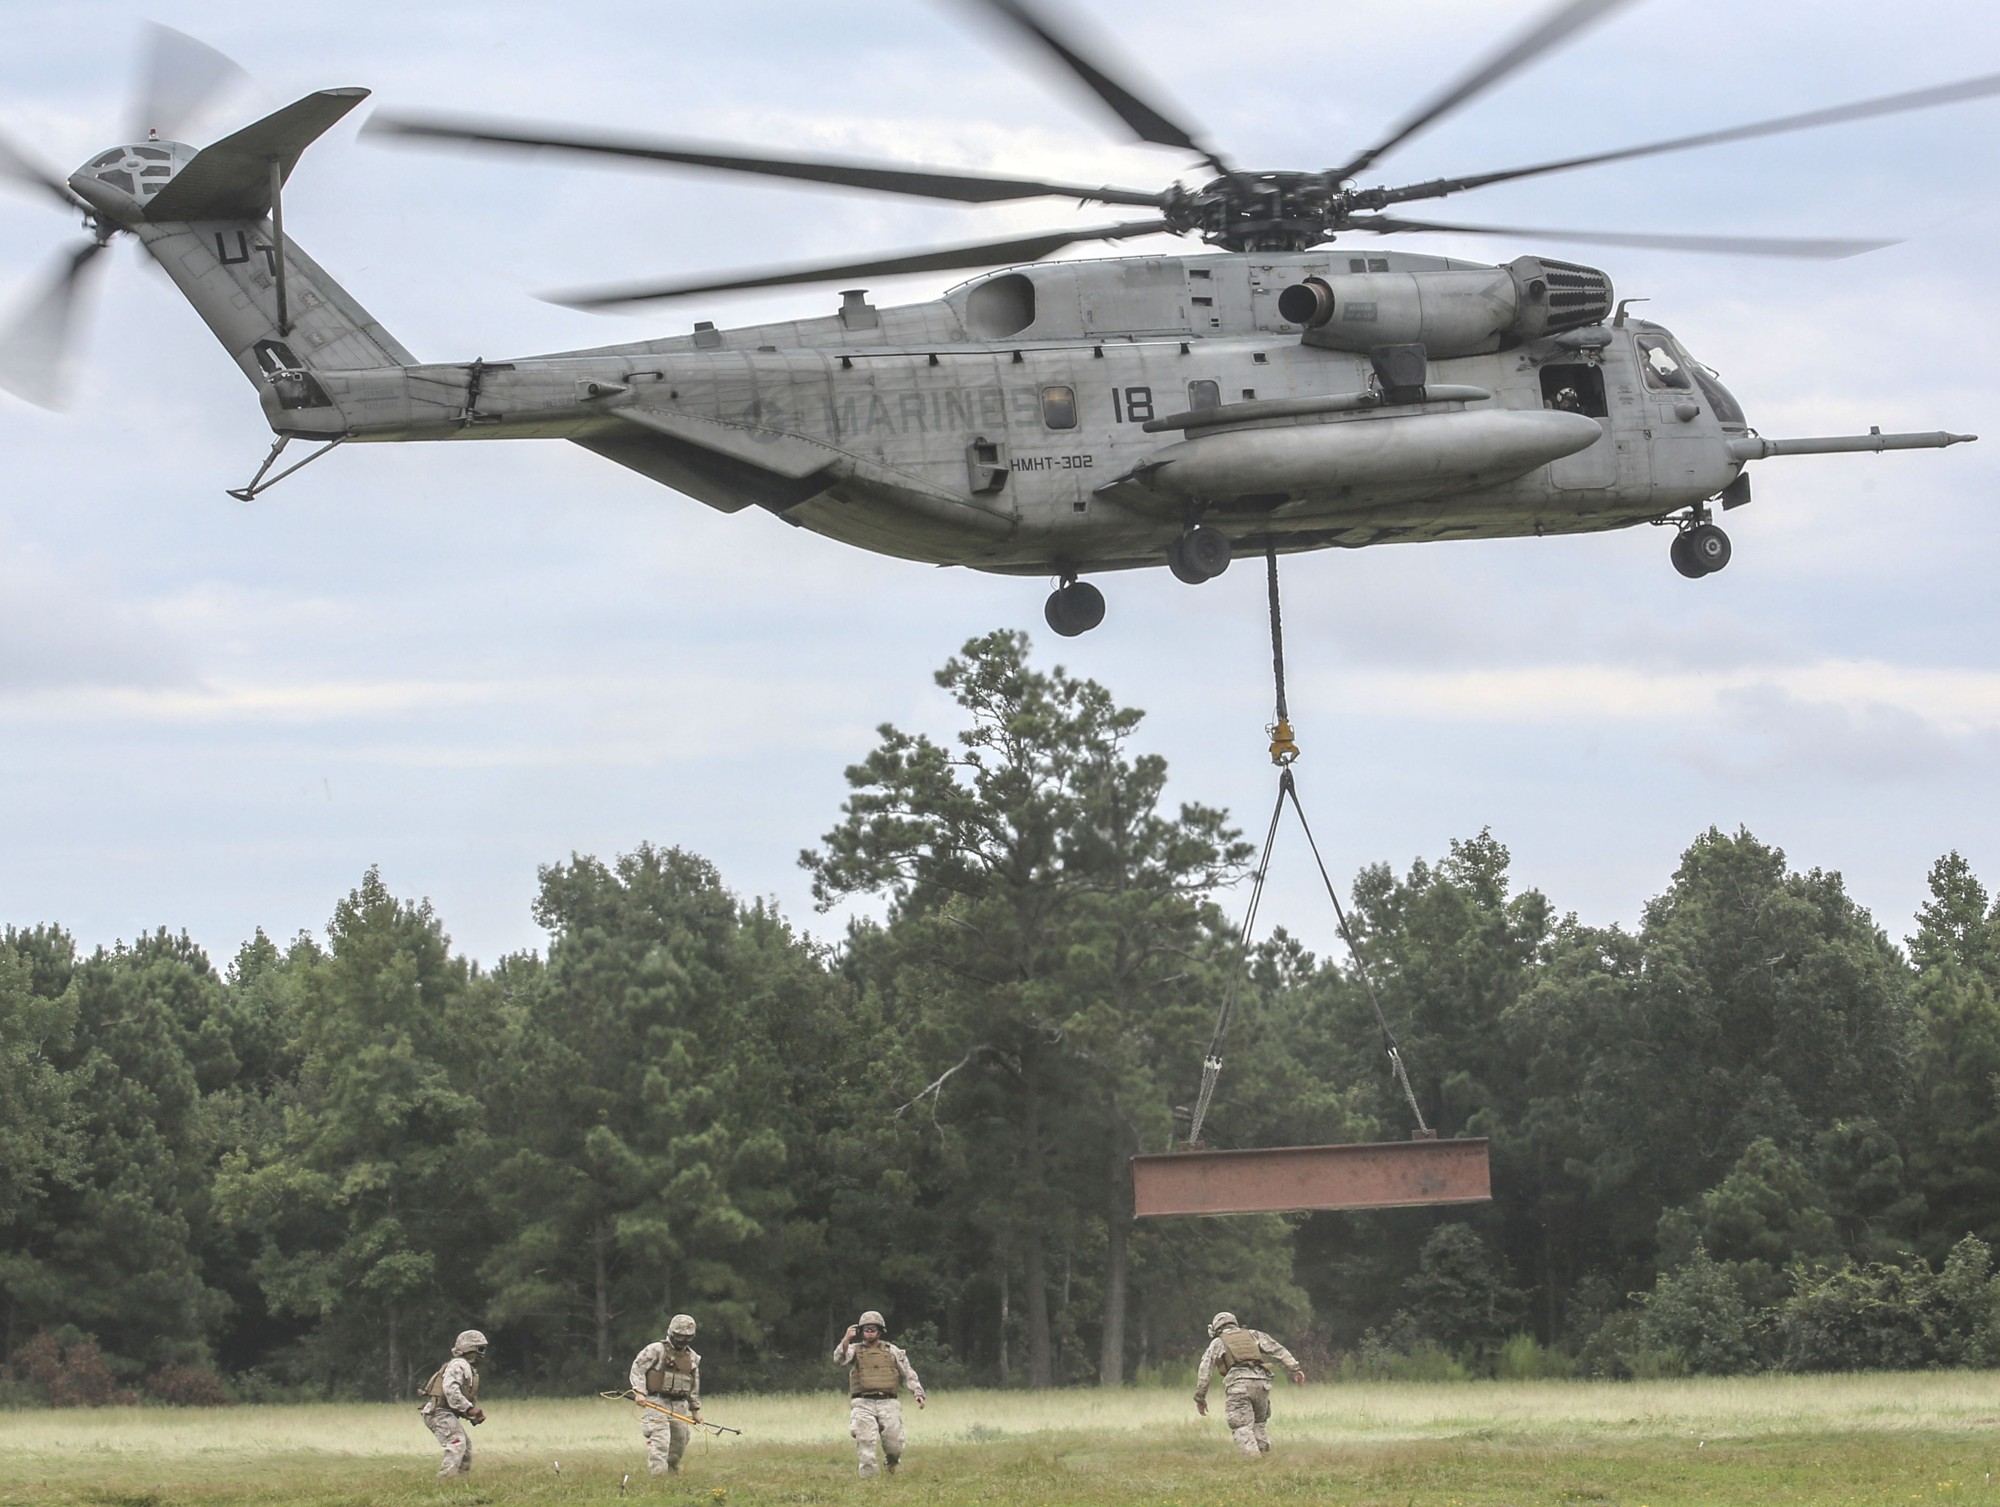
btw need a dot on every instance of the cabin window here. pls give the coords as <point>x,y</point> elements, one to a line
<point>1721,402</point>
<point>1203,396</point>
<point>1662,365</point>
<point>1059,407</point>
<point>1575,389</point>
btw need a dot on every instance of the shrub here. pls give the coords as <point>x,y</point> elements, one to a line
<point>185,1386</point>
<point>1459,1297</point>
<point>1521,1358</point>
<point>1381,1357</point>
<point>1697,1311</point>
<point>68,1376</point>
<point>1886,1317</point>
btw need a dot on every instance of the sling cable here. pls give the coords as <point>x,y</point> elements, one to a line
<point>1379,1175</point>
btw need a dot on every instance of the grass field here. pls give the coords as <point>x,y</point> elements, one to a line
<point>1931,1438</point>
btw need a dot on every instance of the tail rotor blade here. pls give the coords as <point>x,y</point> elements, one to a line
<point>178,78</point>
<point>22,168</point>
<point>37,348</point>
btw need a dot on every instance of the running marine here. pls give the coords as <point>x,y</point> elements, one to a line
<point>451,1401</point>
<point>1246,1357</point>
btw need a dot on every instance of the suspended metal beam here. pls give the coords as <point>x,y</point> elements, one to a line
<point>1379,1175</point>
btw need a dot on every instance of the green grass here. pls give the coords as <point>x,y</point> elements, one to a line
<point>1930,1438</point>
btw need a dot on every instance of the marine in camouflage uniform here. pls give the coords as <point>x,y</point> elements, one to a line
<point>669,1372</point>
<point>1245,1356</point>
<point>877,1371</point>
<point>451,1400</point>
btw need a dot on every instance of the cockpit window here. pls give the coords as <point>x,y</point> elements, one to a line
<point>1662,365</point>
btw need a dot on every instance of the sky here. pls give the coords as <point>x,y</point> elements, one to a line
<point>462,662</point>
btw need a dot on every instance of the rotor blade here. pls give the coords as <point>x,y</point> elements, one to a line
<point>36,348</point>
<point>1555,28</point>
<point>919,182</point>
<point>1147,122</point>
<point>18,165</point>
<point>981,254</point>
<point>1889,104</point>
<point>178,78</point>
<point>1808,248</point>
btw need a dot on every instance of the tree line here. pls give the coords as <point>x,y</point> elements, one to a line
<point>1752,1131</point>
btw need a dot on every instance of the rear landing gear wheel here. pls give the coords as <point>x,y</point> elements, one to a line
<point>1074,608</point>
<point>1201,554</point>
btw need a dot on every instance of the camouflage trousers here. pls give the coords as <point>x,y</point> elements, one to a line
<point>450,1432</point>
<point>666,1438</point>
<point>872,1418</point>
<point>1246,1408</point>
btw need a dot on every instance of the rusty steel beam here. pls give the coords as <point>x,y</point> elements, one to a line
<point>1377,1175</point>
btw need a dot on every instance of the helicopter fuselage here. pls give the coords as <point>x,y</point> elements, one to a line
<point>1058,419</point>
<point>902,430</point>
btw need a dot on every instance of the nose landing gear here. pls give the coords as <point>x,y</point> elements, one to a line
<point>1699,549</point>
<point>1074,607</point>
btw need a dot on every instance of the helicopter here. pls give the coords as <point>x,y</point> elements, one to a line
<point>1294,388</point>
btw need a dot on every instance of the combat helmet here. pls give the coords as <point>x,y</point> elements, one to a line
<point>872,1317</point>
<point>467,1342</point>
<point>1222,1321</point>
<point>680,1327</point>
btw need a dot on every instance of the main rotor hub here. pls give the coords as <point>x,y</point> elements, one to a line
<point>1263,211</point>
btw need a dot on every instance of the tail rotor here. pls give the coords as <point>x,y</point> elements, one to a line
<point>37,349</point>
<point>179,78</point>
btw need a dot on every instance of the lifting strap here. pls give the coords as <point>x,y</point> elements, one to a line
<point>1284,752</point>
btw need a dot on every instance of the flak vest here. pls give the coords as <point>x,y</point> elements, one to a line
<point>433,1390</point>
<point>673,1378</point>
<point>1243,1349</point>
<point>874,1373</point>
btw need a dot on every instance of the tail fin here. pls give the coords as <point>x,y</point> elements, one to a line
<point>217,229</point>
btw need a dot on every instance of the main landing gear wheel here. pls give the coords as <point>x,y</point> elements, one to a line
<point>1700,551</point>
<point>1708,546</point>
<point>1073,608</point>
<point>1201,554</point>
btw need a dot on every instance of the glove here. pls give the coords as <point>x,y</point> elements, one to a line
<point>1201,1406</point>
<point>476,1417</point>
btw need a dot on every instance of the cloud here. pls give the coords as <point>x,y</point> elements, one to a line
<point>1768,732</point>
<point>62,629</point>
<point>1944,703</point>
